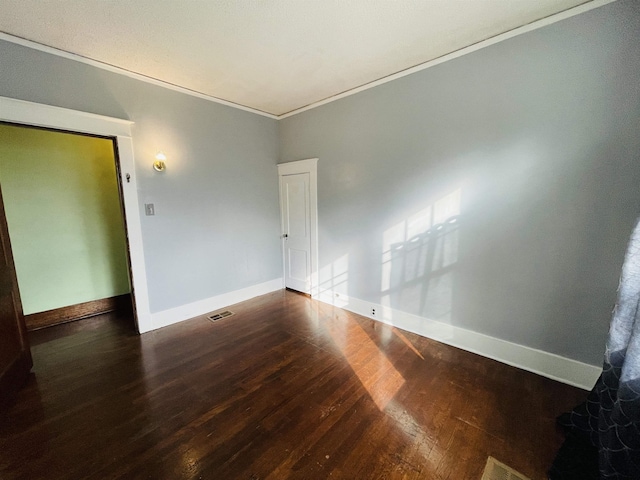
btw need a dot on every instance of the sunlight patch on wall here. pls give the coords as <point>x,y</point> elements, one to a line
<point>334,279</point>
<point>418,256</point>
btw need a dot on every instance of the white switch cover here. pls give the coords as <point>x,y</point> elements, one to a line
<point>149,209</point>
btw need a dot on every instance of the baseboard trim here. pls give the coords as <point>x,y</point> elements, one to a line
<point>168,317</point>
<point>71,313</point>
<point>543,363</point>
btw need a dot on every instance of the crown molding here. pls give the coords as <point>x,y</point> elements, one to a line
<point>127,73</point>
<point>585,7</point>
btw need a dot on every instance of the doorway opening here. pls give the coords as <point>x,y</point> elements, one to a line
<point>15,352</point>
<point>64,210</point>
<point>32,114</point>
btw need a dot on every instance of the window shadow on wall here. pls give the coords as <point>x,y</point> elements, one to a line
<point>419,257</point>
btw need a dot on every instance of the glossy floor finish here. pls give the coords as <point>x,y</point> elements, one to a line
<point>286,388</point>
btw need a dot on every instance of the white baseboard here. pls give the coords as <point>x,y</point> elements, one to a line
<point>543,363</point>
<point>190,310</point>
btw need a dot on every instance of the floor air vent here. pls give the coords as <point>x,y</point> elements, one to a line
<point>499,471</point>
<point>219,315</point>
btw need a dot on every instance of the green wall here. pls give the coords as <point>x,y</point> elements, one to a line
<point>66,228</point>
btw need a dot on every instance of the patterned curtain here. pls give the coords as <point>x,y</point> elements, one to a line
<point>603,438</point>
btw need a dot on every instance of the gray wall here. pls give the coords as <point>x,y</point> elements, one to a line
<point>217,217</point>
<point>539,134</point>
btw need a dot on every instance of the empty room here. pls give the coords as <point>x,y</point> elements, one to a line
<point>365,239</point>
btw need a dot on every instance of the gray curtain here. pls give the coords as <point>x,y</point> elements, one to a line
<point>610,419</point>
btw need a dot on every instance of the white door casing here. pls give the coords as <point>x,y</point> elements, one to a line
<point>298,212</point>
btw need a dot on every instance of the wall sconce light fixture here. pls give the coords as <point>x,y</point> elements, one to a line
<point>159,165</point>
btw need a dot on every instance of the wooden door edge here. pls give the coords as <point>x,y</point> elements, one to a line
<point>13,378</point>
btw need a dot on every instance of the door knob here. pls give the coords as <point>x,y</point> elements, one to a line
<point>285,235</point>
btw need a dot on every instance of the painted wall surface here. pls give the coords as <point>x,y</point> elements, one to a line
<point>495,192</point>
<point>216,224</point>
<point>63,211</point>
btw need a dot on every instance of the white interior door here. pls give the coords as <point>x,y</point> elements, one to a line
<point>296,222</point>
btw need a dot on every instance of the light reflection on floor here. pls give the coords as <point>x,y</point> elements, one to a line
<point>406,341</point>
<point>375,372</point>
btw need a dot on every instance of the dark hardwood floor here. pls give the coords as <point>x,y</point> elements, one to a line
<point>286,388</point>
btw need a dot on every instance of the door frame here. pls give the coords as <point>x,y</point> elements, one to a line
<point>56,118</point>
<point>309,166</point>
<point>15,373</point>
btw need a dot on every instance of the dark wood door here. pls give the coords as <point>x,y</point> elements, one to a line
<point>15,355</point>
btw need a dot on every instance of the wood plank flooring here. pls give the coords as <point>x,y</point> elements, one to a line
<point>286,388</point>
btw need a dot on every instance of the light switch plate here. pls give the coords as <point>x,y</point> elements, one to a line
<point>149,209</point>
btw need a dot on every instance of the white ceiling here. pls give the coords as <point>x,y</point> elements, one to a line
<point>275,56</point>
